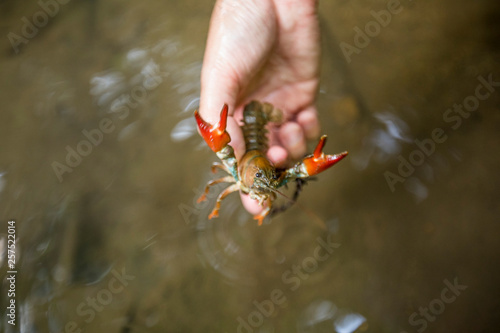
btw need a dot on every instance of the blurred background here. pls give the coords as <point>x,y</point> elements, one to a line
<point>101,165</point>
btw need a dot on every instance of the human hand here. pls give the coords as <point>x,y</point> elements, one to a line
<point>266,50</point>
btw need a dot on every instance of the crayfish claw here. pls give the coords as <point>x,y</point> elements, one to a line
<point>318,151</point>
<point>216,135</point>
<point>317,162</point>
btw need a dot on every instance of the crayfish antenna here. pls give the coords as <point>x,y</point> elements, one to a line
<point>315,217</point>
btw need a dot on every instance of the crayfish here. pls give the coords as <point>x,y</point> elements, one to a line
<point>254,174</point>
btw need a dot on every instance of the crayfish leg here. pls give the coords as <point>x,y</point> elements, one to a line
<point>260,217</point>
<point>221,166</point>
<point>227,179</point>
<point>225,193</point>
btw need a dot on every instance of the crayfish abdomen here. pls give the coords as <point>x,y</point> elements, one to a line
<point>254,174</point>
<point>255,117</point>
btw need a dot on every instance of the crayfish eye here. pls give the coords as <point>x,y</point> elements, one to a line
<point>258,175</point>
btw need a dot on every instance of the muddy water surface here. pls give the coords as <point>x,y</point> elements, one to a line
<point>100,168</point>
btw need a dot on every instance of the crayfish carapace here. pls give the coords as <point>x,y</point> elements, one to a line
<point>254,174</point>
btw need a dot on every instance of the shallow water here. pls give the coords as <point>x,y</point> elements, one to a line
<point>111,239</point>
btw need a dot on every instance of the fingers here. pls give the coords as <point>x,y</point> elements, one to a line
<point>219,83</point>
<point>212,97</point>
<point>308,120</point>
<point>241,35</point>
<point>292,138</point>
<point>278,156</point>
<point>251,205</point>
<point>237,141</point>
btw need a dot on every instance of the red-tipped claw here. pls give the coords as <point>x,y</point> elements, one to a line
<point>215,136</point>
<point>319,162</point>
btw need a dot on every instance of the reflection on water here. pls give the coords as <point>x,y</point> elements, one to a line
<point>184,129</point>
<point>113,240</point>
<point>223,243</point>
<point>384,141</point>
<point>324,316</point>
